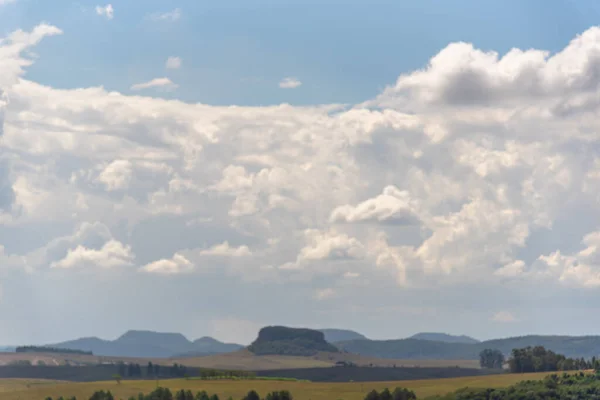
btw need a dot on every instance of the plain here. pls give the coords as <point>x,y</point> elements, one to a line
<point>18,389</point>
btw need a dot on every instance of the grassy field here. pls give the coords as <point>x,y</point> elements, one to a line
<point>20,385</point>
<point>17,390</point>
<point>239,360</point>
<point>245,360</point>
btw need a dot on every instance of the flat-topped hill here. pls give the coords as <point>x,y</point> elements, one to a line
<point>290,341</point>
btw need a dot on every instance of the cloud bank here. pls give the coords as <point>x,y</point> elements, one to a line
<point>447,179</point>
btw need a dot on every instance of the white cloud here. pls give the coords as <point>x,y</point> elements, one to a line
<point>162,83</point>
<point>393,206</point>
<point>503,317</point>
<point>512,269</point>
<point>112,254</point>
<point>3,2</point>
<point>106,11</point>
<point>434,187</point>
<point>173,63</point>
<point>116,175</point>
<point>177,265</point>
<point>290,83</point>
<point>172,16</point>
<point>225,250</point>
<point>329,246</point>
<point>581,269</point>
<point>324,294</point>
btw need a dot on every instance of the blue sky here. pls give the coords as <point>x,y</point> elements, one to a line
<point>236,52</point>
<point>454,180</point>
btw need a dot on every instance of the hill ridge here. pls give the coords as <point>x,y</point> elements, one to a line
<point>146,343</point>
<point>410,348</point>
<point>444,337</point>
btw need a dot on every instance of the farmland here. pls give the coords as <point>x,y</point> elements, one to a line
<point>238,360</point>
<point>17,389</point>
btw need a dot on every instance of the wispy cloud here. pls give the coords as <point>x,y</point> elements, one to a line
<point>173,63</point>
<point>107,11</point>
<point>503,316</point>
<point>324,294</point>
<point>164,83</point>
<point>172,16</point>
<point>289,83</point>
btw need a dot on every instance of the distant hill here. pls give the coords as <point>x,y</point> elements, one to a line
<point>209,346</point>
<point>7,349</point>
<point>341,335</point>
<point>444,337</point>
<point>570,346</point>
<point>282,340</point>
<point>149,344</point>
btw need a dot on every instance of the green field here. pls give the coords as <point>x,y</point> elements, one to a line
<point>15,389</point>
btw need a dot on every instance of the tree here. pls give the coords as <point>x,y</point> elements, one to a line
<point>491,358</point>
<point>285,395</point>
<point>202,396</point>
<point>252,395</point>
<point>385,395</point>
<point>122,369</point>
<point>403,394</point>
<point>117,378</point>
<point>372,395</point>
<point>150,369</point>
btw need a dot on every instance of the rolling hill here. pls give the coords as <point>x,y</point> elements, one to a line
<point>149,344</point>
<point>341,335</point>
<point>570,346</point>
<point>444,337</point>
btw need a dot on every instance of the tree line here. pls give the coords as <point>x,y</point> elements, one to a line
<point>43,349</point>
<point>166,394</point>
<point>134,370</point>
<point>398,394</point>
<point>535,359</point>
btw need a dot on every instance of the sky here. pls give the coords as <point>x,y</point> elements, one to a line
<point>212,167</point>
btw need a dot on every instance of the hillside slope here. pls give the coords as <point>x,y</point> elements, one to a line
<point>149,344</point>
<point>341,335</point>
<point>570,346</point>
<point>444,337</point>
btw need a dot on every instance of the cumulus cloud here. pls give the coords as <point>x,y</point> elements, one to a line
<point>111,254</point>
<point>116,175</point>
<point>225,250</point>
<point>176,265</point>
<point>289,83</point>
<point>106,11</point>
<point>173,63</point>
<point>392,206</point>
<point>162,83</point>
<point>513,269</point>
<point>171,16</point>
<point>329,246</point>
<point>12,60</point>
<point>581,269</point>
<point>443,178</point>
